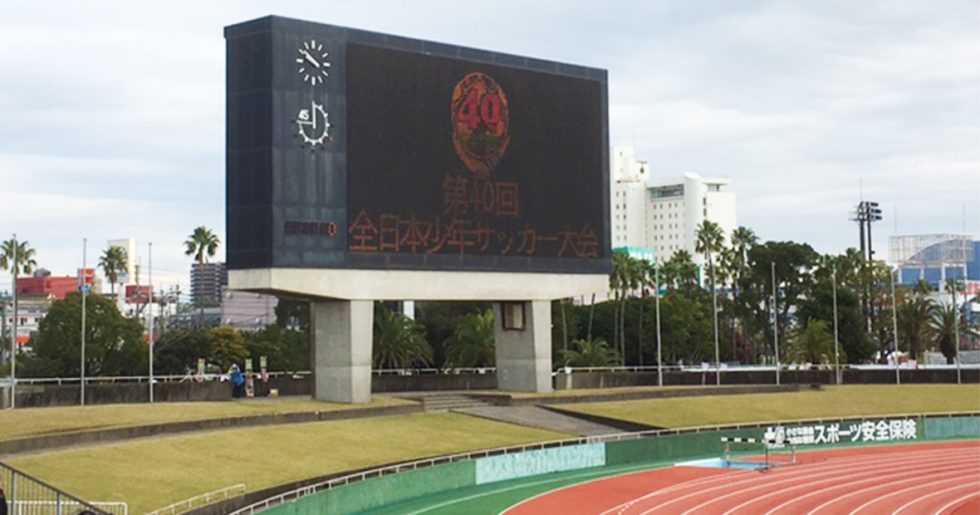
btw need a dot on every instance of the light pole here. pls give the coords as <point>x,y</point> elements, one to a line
<point>150,309</point>
<point>833,277</point>
<point>775,321</point>
<point>956,330</point>
<point>660,365</point>
<point>898,376</point>
<point>714,313</point>
<point>82,288</point>
<point>13,339</point>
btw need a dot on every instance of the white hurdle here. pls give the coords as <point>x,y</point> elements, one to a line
<point>768,444</point>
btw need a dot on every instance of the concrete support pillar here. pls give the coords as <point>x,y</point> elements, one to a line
<point>524,355</point>
<point>342,338</point>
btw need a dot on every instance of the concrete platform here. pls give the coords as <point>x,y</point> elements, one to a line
<point>534,416</point>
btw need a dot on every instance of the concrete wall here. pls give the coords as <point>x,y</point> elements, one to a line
<point>615,379</point>
<point>30,396</point>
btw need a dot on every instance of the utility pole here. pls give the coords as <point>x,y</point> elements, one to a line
<point>898,375</point>
<point>714,309</point>
<point>660,365</point>
<point>775,321</point>
<point>13,339</point>
<point>837,372</point>
<point>956,330</point>
<point>150,307</point>
<point>82,288</point>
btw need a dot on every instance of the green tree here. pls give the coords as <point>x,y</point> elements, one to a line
<point>710,242</point>
<point>915,316</point>
<point>943,331</point>
<point>113,263</point>
<point>590,353</point>
<point>177,350</point>
<point>742,240</point>
<point>201,244</point>
<point>818,305</point>
<point>227,347</point>
<point>18,257</point>
<point>813,343</point>
<point>680,272</point>
<point>399,341</point>
<point>24,262</point>
<point>113,343</point>
<point>472,343</point>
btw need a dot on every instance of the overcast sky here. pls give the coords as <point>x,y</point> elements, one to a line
<point>112,113</point>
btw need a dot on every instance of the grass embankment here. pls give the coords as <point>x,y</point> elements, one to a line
<point>151,473</point>
<point>24,422</point>
<point>842,401</point>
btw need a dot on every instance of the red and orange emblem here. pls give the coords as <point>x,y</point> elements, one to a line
<point>481,123</point>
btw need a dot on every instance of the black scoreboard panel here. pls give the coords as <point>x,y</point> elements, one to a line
<point>350,149</point>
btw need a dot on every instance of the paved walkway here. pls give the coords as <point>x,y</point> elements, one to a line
<point>541,418</point>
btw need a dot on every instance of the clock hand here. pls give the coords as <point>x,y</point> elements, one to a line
<point>310,58</point>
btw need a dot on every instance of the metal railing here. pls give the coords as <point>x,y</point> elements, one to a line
<point>27,495</point>
<point>200,500</point>
<point>615,437</point>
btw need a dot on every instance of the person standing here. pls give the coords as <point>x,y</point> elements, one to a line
<point>237,381</point>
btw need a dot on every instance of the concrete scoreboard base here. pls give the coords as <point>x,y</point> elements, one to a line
<point>342,317</point>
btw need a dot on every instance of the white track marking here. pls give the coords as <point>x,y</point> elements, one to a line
<point>831,466</point>
<point>842,461</point>
<point>626,472</point>
<point>943,461</point>
<point>507,489</point>
<point>816,471</point>
<point>890,494</point>
<point>954,502</point>
<point>924,497</point>
<point>798,482</point>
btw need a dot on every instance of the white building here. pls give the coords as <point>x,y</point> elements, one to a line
<point>678,205</point>
<point>628,190</point>
<point>663,214</point>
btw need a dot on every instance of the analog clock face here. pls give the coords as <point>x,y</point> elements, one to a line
<point>312,62</point>
<point>314,124</point>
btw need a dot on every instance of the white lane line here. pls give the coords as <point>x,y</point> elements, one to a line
<point>869,502</point>
<point>797,483</point>
<point>509,488</point>
<point>942,462</point>
<point>933,494</point>
<point>831,467</point>
<point>626,472</point>
<point>954,502</point>
<point>863,458</point>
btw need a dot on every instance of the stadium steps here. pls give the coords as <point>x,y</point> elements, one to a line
<point>449,402</point>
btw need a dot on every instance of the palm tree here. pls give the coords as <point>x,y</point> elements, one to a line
<point>680,271</point>
<point>399,341</point>
<point>471,344</point>
<point>201,244</point>
<point>711,240</point>
<point>24,262</point>
<point>623,279</point>
<point>590,353</point>
<point>742,239</point>
<point>944,331</point>
<point>113,263</point>
<point>812,344</point>
<point>18,257</point>
<point>914,320</point>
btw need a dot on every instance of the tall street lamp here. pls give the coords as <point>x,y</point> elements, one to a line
<point>837,371</point>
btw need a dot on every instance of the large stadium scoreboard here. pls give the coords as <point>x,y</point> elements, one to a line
<point>352,149</point>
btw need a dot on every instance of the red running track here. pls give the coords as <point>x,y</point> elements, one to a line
<point>937,478</point>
